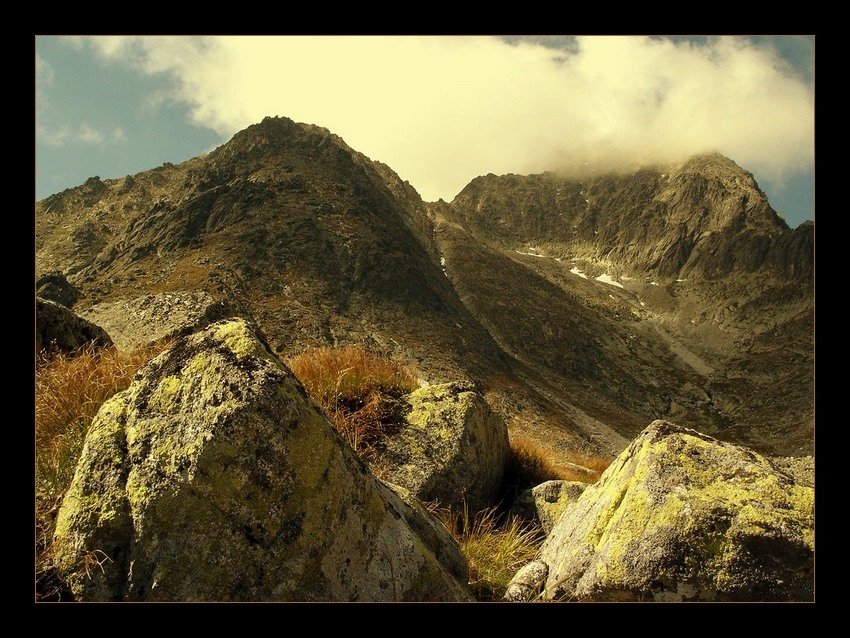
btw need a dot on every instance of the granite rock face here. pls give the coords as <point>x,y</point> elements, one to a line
<point>56,287</point>
<point>214,477</point>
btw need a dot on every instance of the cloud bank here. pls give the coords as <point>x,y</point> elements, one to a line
<point>441,110</point>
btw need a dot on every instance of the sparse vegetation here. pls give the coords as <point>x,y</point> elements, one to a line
<point>495,545</point>
<point>359,391</point>
<point>69,390</point>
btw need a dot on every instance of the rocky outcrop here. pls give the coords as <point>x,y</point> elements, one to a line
<point>143,320</point>
<point>545,503</point>
<point>56,287</point>
<point>682,516</point>
<point>214,477</point>
<point>58,329</point>
<point>452,447</point>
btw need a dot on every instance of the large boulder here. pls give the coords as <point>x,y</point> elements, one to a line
<point>150,318</point>
<point>215,477</point>
<point>452,448</point>
<point>58,329</point>
<point>682,516</point>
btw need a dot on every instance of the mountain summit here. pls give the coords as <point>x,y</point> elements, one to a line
<point>584,309</point>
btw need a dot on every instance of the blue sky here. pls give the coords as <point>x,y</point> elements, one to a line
<point>439,110</point>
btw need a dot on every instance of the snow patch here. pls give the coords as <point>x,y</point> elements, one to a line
<point>576,271</point>
<point>607,279</point>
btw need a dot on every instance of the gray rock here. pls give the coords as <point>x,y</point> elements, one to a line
<point>58,329</point>
<point>144,320</point>
<point>214,477</point>
<point>452,448</point>
<point>528,582</point>
<point>546,502</point>
<point>682,516</point>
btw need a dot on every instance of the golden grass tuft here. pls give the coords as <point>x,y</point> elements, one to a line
<point>358,390</point>
<point>495,545</point>
<point>533,464</point>
<point>69,390</point>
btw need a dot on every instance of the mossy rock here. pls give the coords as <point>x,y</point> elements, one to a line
<point>682,516</point>
<point>452,448</point>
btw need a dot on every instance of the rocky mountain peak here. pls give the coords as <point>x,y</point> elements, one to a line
<point>704,218</point>
<point>737,200</point>
<point>274,135</point>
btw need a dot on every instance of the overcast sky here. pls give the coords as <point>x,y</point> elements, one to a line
<point>439,110</point>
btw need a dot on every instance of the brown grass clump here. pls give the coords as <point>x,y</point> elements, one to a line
<point>358,390</point>
<point>531,464</point>
<point>69,390</point>
<point>495,545</point>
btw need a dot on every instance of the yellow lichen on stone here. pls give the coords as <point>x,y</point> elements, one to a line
<point>239,338</point>
<point>165,398</point>
<point>197,365</point>
<point>689,489</point>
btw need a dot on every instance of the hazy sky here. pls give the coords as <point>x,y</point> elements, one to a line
<point>439,110</point>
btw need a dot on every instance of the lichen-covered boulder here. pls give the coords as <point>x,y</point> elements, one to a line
<point>58,329</point>
<point>452,447</point>
<point>546,502</point>
<point>214,477</point>
<point>682,516</point>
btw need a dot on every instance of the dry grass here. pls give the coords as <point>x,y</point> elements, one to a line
<point>358,390</point>
<point>69,390</point>
<point>495,546</point>
<point>531,464</point>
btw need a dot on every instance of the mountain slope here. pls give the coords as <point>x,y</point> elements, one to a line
<point>323,246</point>
<point>702,296</point>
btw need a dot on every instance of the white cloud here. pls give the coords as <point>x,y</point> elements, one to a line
<point>83,133</point>
<point>442,110</point>
<point>43,72</point>
<point>44,75</point>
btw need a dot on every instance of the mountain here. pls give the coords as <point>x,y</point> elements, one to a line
<point>583,308</point>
